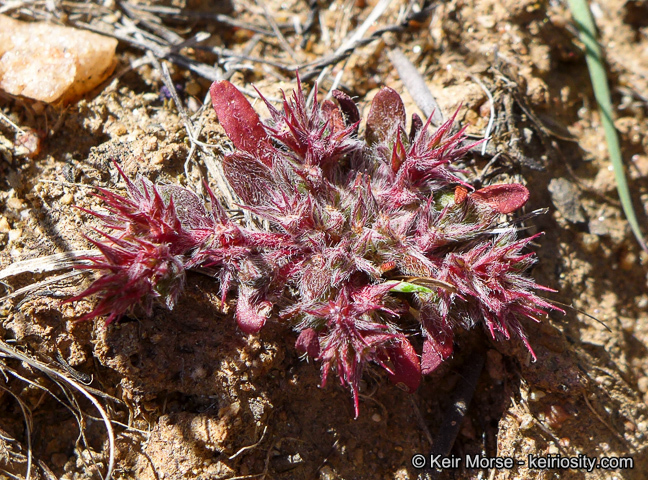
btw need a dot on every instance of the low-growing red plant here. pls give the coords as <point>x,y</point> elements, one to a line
<point>364,231</point>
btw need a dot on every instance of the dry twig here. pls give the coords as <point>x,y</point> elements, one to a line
<point>63,379</point>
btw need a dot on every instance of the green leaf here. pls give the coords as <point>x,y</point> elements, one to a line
<point>585,24</point>
<point>406,287</point>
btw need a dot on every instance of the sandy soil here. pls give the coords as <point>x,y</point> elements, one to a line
<point>196,399</point>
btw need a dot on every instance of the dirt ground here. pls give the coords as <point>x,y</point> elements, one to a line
<point>193,398</point>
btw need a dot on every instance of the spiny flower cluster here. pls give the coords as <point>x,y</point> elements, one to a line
<point>366,234</point>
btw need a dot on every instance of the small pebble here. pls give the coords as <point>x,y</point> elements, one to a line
<point>67,199</point>
<point>566,197</point>
<point>158,158</point>
<point>537,395</point>
<point>15,203</point>
<point>327,473</point>
<point>150,97</point>
<point>628,261</point>
<point>15,234</point>
<point>589,242</point>
<point>555,416</point>
<point>119,130</point>
<point>192,88</point>
<point>150,144</point>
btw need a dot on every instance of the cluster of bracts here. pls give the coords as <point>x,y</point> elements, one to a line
<point>366,233</point>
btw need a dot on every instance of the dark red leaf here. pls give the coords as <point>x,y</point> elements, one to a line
<point>407,367</point>
<point>387,113</point>
<point>415,128</point>
<point>332,114</point>
<point>241,123</point>
<point>308,343</point>
<point>189,208</point>
<point>348,107</point>
<point>249,178</point>
<point>504,198</point>
<point>250,315</point>
<point>435,352</point>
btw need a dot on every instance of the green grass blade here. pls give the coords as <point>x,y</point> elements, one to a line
<point>585,23</point>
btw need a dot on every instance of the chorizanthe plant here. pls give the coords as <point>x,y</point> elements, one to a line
<point>366,235</point>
